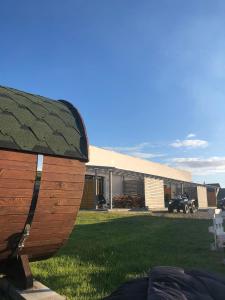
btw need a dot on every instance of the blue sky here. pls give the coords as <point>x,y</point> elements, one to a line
<point>148,76</point>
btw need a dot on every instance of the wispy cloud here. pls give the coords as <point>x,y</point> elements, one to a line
<point>200,165</point>
<point>135,148</point>
<point>191,135</point>
<point>190,143</point>
<point>141,151</point>
<point>146,155</point>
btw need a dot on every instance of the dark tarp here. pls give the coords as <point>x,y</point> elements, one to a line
<point>36,124</point>
<point>171,283</point>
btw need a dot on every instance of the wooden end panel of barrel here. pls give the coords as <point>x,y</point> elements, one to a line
<point>58,203</point>
<point>17,175</point>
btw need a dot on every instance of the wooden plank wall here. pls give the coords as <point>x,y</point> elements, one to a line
<point>154,193</point>
<point>212,199</point>
<point>88,199</point>
<point>202,197</point>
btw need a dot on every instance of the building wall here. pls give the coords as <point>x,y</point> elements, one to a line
<point>191,191</point>
<point>175,189</point>
<point>117,186</point>
<point>134,187</point>
<point>154,193</point>
<point>102,157</point>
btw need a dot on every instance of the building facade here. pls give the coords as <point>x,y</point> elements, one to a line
<point>115,177</point>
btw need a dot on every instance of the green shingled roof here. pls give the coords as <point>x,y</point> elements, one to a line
<point>32,123</point>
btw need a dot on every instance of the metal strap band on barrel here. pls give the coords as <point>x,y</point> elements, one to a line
<point>26,231</point>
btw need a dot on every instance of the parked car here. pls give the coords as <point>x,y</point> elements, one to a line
<point>221,204</point>
<point>182,203</point>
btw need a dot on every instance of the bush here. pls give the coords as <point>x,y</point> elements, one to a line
<point>126,201</point>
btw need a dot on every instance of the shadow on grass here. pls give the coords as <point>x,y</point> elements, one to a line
<point>98,257</point>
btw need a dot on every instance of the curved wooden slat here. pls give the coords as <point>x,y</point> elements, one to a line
<point>58,203</point>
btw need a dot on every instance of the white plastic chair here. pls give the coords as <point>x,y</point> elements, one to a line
<point>217,212</point>
<point>217,230</point>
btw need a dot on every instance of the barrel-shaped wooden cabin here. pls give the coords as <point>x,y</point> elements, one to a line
<point>43,150</point>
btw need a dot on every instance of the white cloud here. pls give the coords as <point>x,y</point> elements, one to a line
<point>201,166</point>
<point>145,155</point>
<point>135,148</point>
<point>190,143</point>
<point>140,151</point>
<point>191,135</point>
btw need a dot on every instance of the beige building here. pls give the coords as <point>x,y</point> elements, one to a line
<point>114,175</point>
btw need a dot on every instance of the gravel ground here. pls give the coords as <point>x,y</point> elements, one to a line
<point>201,214</point>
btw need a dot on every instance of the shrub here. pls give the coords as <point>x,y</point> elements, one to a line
<point>127,201</point>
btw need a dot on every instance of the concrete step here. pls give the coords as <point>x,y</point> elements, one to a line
<point>38,292</point>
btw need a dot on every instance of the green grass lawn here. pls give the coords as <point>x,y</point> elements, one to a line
<point>106,249</point>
